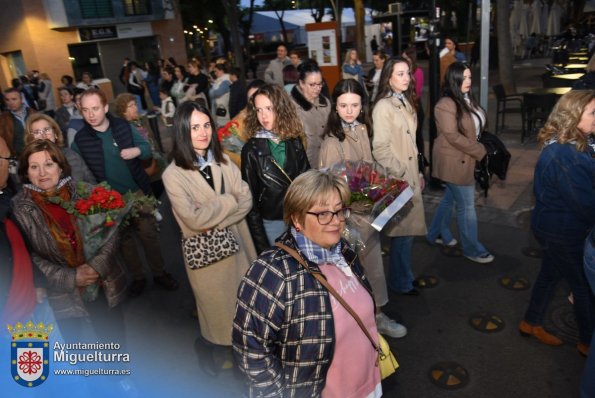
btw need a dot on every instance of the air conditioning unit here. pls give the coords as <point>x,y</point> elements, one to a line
<point>395,8</point>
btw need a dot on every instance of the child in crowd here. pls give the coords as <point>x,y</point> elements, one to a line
<point>168,108</point>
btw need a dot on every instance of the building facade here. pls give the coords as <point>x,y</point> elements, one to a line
<point>69,37</point>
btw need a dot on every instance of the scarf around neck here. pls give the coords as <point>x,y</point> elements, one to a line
<point>320,255</point>
<point>203,163</point>
<point>268,134</point>
<point>62,226</point>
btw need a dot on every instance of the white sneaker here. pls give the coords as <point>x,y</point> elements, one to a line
<point>483,259</point>
<point>389,327</point>
<point>439,241</point>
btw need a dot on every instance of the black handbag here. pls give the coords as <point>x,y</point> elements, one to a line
<point>495,162</point>
<point>498,155</point>
<point>221,111</point>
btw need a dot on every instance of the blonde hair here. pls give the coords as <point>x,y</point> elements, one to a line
<point>287,123</point>
<point>347,59</point>
<point>40,116</point>
<point>565,117</point>
<point>309,189</point>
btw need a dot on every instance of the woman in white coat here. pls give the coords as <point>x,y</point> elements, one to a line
<point>206,191</point>
<point>394,147</point>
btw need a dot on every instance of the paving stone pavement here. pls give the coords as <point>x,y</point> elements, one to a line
<point>161,332</point>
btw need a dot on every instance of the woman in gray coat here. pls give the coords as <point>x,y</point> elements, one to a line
<point>312,107</point>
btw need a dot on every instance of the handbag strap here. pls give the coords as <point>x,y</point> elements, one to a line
<point>293,253</point>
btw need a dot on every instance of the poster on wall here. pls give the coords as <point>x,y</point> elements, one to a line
<point>323,47</point>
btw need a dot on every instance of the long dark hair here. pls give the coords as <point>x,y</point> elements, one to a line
<point>334,127</point>
<point>453,80</point>
<point>183,153</point>
<point>385,90</point>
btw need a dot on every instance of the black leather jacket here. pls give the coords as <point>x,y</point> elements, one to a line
<point>268,182</point>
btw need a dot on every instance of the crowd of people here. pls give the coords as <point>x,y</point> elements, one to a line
<point>271,216</point>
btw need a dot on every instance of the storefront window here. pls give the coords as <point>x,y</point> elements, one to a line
<point>85,58</point>
<point>96,8</point>
<point>137,7</point>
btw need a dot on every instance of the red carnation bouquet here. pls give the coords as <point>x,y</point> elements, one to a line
<point>100,210</point>
<point>374,191</point>
<point>229,138</point>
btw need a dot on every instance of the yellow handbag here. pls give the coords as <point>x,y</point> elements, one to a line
<point>386,360</point>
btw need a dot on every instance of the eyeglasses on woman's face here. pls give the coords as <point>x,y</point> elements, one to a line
<point>326,217</point>
<point>44,132</point>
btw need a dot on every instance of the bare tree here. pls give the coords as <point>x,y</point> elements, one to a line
<point>317,9</point>
<point>504,46</point>
<point>279,7</point>
<point>231,8</point>
<point>337,6</point>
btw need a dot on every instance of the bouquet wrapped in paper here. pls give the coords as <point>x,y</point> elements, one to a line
<point>229,137</point>
<point>373,191</point>
<point>100,211</point>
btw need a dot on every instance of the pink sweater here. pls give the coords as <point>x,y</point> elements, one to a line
<point>418,75</point>
<point>353,371</point>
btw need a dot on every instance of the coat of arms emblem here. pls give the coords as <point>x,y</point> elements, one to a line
<point>29,353</point>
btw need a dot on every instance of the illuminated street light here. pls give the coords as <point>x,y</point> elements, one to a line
<point>210,21</point>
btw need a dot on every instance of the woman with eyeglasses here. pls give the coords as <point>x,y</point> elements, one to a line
<point>290,336</point>
<point>271,159</point>
<point>312,107</point>
<point>394,147</point>
<point>347,138</point>
<point>43,127</point>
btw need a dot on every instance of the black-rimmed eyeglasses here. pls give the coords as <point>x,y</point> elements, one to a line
<point>325,217</point>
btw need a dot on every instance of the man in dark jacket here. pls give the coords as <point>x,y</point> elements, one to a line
<point>112,149</point>
<point>237,93</point>
<point>12,122</point>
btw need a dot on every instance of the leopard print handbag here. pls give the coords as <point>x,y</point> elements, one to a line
<point>206,248</point>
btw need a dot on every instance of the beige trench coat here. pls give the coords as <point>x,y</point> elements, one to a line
<point>356,146</point>
<point>394,147</point>
<point>197,207</point>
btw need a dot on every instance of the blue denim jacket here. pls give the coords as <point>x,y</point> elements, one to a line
<point>564,188</point>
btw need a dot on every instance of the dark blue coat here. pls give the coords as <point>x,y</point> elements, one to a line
<point>564,189</point>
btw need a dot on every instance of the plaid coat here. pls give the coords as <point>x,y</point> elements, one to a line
<point>283,330</point>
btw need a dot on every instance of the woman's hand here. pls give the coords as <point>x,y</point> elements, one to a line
<point>40,294</point>
<point>130,153</point>
<point>422,182</point>
<point>86,275</point>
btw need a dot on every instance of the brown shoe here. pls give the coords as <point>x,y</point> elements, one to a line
<point>539,333</point>
<point>583,349</point>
